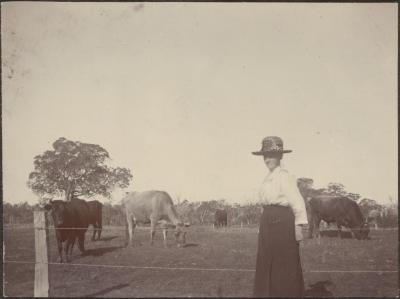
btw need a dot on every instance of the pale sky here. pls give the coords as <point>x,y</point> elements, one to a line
<point>181,93</point>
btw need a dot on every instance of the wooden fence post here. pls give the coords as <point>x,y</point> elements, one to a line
<point>41,255</point>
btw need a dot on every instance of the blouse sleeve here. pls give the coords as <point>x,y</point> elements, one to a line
<point>296,201</point>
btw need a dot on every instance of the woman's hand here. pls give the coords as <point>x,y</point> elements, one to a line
<point>299,233</point>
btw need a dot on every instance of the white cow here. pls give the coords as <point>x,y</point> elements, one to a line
<point>155,207</point>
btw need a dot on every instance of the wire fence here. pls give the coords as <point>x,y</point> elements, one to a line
<point>44,263</point>
<point>197,269</point>
<point>202,227</point>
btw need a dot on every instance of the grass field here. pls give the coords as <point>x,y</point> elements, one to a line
<point>207,248</point>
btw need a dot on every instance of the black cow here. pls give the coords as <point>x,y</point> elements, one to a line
<point>220,218</point>
<point>95,217</point>
<point>70,219</point>
<point>339,209</point>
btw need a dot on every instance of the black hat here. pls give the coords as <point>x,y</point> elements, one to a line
<point>271,144</point>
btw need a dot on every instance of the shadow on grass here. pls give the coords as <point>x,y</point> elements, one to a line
<point>105,239</point>
<point>319,289</point>
<point>190,245</point>
<point>100,251</point>
<point>335,234</point>
<point>107,290</point>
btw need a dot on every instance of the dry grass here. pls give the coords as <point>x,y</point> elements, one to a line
<point>230,248</point>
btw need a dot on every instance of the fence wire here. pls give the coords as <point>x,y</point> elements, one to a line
<point>197,269</point>
<point>122,228</point>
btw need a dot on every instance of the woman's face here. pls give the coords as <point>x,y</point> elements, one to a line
<point>272,160</point>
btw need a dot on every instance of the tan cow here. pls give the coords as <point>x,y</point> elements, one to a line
<point>155,207</point>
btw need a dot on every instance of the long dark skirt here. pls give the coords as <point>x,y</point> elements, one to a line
<point>278,267</point>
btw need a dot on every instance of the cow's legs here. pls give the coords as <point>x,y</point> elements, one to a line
<point>165,237</point>
<point>94,232</point>
<point>70,240</point>
<point>81,242</point>
<point>131,223</point>
<point>60,249</point>
<point>72,246</point>
<point>152,232</point>
<point>99,228</point>
<point>316,227</point>
<point>340,231</point>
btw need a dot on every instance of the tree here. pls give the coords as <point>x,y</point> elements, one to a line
<point>205,210</point>
<point>336,189</point>
<point>367,205</point>
<point>76,168</point>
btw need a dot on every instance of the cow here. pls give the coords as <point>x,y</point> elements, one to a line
<point>339,209</point>
<point>220,218</point>
<point>155,207</point>
<point>95,217</point>
<point>70,219</point>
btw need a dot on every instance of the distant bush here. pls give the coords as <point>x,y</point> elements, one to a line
<point>20,213</point>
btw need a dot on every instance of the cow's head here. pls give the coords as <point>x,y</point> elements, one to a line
<point>58,212</point>
<point>180,233</point>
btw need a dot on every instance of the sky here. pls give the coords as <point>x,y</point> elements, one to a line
<point>182,93</point>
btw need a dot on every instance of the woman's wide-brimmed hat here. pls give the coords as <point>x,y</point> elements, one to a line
<point>271,144</point>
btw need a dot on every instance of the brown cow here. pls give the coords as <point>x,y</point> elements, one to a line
<point>339,209</point>
<point>70,219</point>
<point>95,217</point>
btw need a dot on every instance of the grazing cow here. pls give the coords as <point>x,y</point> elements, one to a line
<point>155,207</point>
<point>339,209</point>
<point>95,217</point>
<point>70,219</point>
<point>220,218</point>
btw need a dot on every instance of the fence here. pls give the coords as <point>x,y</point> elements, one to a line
<point>41,283</point>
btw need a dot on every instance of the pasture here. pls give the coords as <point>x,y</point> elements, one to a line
<point>230,248</point>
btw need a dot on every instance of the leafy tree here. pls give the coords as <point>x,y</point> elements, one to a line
<point>389,215</point>
<point>248,214</point>
<point>336,189</point>
<point>206,210</point>
<point>76,168</point>
<point>367,205</point>
<point>19,213</point>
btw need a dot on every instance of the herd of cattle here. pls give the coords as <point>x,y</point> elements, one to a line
<point>72,219</point>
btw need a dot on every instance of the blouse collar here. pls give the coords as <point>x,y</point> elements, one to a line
<point>274,172</point>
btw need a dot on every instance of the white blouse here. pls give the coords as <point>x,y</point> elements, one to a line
<point>279,187</point>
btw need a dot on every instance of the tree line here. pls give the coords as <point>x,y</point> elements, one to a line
<point>202,213</point>
<point>74,168</point>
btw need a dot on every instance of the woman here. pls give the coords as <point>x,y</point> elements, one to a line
<point>278,267</point>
